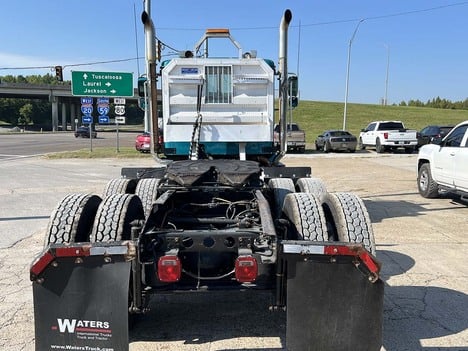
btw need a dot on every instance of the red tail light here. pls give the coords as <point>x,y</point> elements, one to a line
<point>169,269</point>
<point>246,269</point>
<point>385,135</point>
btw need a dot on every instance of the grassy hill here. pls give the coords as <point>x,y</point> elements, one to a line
<point>316,117</point>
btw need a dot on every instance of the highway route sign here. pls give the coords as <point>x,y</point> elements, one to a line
<point>119,110</point>
<point>86,110</point>
<point>110,84</point>
<point>87,106</point>
<point>103,119</point>
<point>86,119</point>
<point>103,110</point>
<point>86,100</point>
<point>103,106</point>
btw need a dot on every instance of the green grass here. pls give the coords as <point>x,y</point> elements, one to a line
<point>100,152</point>
<point>316,117</point>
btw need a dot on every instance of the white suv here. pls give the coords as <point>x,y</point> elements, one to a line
<point>443,165</point>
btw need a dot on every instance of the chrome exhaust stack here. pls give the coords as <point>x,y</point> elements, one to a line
<point>151,114</point>
<point>283,80</point>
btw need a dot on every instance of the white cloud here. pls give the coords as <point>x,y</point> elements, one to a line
<point>20,64</point>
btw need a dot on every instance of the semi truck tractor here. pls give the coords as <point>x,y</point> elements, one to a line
<point>219,210</point>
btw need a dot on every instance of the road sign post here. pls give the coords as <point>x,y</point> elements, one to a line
<point>118,120</point>
<point>87,118</point>
<point>117,129</point>
<point>111,84</point>
<point>90,126</point>
<point>119,110</point>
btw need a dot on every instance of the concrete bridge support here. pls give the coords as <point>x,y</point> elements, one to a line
<point>64,116</point>
<point>55,113</point>
<point>68,112</point>
<point>73,116</point>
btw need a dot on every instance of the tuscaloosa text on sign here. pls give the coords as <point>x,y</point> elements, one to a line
<point>112,84</point>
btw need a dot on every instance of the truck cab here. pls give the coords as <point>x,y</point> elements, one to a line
<point>218,107</point>
<point>237,113</point>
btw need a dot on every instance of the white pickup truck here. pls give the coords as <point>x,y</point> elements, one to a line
<point>443,164</point>
<point>388,135</point>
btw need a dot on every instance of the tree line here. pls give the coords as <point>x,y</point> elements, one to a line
<point>38,112</point>
<point>438,103</point>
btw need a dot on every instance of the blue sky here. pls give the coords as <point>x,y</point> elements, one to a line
<point>424,42</point>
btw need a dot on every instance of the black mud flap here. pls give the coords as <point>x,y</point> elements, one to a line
<point>333,301</point>
<point>81,301</point>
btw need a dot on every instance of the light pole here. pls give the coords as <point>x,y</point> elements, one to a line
<point>386,76</point>
<point>347,73</point>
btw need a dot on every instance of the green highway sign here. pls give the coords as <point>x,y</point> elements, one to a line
<point>111,84</point>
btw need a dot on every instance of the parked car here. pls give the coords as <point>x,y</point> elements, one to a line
<point>428,133</point>
<point>83,132</point>
<point>143,141</point>
<point>336,140</point>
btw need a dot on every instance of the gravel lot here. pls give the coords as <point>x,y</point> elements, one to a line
<point>422,244</point>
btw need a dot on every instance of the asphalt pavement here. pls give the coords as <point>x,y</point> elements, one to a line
<point>28,144</point>
<point>422,244</point>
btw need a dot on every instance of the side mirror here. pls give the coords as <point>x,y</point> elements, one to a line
<point>293,85</point>
<point>437,140</point>
<point>294,101</point>
<point>141,86</point>
<point>293,90</point>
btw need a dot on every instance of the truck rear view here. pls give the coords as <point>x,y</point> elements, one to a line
<point>222,214</point>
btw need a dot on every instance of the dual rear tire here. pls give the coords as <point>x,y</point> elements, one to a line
<point>348,220</point>
<point>72,219</point>
<point>115,216</point>
<point>341,217</point>
<point>89,218</point>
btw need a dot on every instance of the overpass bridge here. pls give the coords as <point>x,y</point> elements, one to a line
<point>64,104</point>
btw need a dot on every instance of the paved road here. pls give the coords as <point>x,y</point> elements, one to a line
<point>33,144</point>
<point>422,244</point>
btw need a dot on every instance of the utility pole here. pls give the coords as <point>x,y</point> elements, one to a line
<point>347,74</point>
<point>386,76</point>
